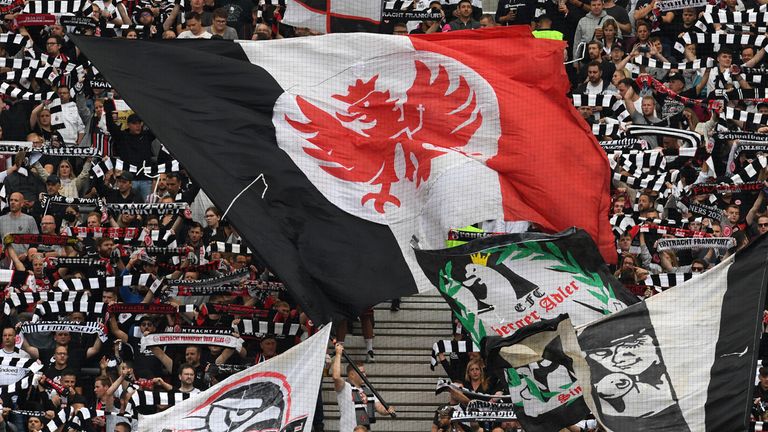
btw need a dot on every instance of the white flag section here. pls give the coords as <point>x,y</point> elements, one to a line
<point>277,395</point>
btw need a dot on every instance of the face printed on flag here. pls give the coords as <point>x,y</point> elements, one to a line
<point>277,396</point>
<point>261,404</point>
<point>629,375</point>
<point>389,127</point>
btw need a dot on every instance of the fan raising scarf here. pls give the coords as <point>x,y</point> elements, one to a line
<point>695,243</point>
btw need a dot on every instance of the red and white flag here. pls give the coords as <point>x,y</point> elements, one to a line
<point>331,154</point>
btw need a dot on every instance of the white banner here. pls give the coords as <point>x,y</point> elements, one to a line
<point>277,395</point>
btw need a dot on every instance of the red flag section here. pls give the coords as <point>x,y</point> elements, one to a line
<point>551,169</point>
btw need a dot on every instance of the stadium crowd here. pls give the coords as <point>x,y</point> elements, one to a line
<point>91,193</point>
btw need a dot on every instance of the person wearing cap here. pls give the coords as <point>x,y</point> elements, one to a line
<point>124,192</point>
<point>133,146</point>
<point>676,83</point>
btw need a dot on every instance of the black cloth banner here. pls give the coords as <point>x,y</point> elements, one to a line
<point>481,411</point>
<point>708,188</point>
<point>742,136</point>
<point>61,326</point>
<point>707,211</point>
<point>210,282</point>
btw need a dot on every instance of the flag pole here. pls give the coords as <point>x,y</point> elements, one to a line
<point>368,383</point>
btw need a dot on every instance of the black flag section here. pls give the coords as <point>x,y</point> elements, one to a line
<point>215,115</point>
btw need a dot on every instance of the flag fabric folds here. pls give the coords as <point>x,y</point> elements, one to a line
<point>673,362</point>
<point>330,154</point>
<point>500,285</point>
<point>277,395</point>
<point>334,16</point>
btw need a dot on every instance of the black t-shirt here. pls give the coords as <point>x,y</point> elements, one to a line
<point>525,11</point>
<point>145,364</point>
<point>238,14</point>
<point>74,360</point>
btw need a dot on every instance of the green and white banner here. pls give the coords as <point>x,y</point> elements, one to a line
<point>501,284</point>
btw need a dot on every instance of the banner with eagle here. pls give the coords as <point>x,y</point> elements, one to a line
<point>277,395</point>
<point>329,154</point>
<point>497,286</point>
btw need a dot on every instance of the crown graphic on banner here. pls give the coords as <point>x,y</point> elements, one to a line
<point>480,258</point>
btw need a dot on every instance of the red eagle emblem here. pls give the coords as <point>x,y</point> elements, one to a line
<point>423,125</point>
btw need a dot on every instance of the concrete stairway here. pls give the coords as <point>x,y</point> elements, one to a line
<point>401,373</point>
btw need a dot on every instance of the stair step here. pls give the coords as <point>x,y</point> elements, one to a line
<point>401,373</point>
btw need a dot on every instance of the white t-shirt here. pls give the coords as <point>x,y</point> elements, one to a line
<point>347,417</point>
<point>186,34</point>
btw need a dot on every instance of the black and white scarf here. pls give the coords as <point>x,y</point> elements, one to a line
<point>17,93</point>
<point>13,39</point>
<point>451,346</point>
<point>109,282</point>
<point>657,182</point>
<point>693,138</point>
<point>695,243</point>
<point>667,280</point>
<point>718,39</point>
<point>484,411</point>
<point>18,386</point>
<point>261,328</point>
<point>234,248</point>
<point>608,101</point>
<point>62,307</point>
<point>624,144</point>
<point>741,136</point>
<point>638,163</point>
<point>62,326</point>
<point>144,398</point>
<point>751,171</point>
<point>164,339</point>
<point>694,65</point>
<point>750,118</point>
<point>149,208</point>
<point>607,129</point>
<point>445,384</point>
<point>23,300</point>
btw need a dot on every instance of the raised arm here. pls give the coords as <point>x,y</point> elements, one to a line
<point>338,381</point>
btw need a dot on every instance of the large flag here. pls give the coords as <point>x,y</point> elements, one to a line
<point>278,395</point>
<point>334,16</point>
<point>329,154</point>
<point>502,284</point>
<point>683,360</point>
